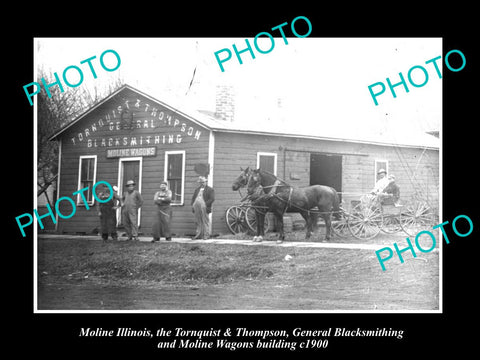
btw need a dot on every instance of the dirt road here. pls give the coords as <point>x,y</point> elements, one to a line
<point>314,278</point>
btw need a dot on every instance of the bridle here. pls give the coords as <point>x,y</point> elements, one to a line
<point>242,181</point>
<point>278,182</point>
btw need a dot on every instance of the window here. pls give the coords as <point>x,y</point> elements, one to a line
<point>267,162</point>
<point>87,170</point>
<point>175,174</point>
<point>380,164</point>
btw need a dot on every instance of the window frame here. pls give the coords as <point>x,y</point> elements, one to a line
<point>165,174</point>
<point>80,186</point>
<point>274,155</point>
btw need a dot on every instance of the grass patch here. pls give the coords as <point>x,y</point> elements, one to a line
<point>164,262</point>
<point>180,263</point>
<point>341,278</point>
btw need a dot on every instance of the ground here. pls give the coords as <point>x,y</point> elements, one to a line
<point>84,273</point>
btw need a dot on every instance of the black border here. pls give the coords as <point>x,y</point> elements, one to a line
<point>57,334</point>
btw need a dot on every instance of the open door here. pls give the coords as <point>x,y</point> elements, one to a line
<point>326,169</point>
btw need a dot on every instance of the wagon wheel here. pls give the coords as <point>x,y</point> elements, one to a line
<point>391,224</point>
<point>252,220</point>
<point>340,226</point>
<point>235,218</point>
<point>365,221</point>
<point>416,217</point>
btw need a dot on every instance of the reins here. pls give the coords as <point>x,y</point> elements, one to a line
<point>289,204</point>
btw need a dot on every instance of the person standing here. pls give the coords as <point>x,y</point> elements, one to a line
<point>202,200</point>
<point>107,213</point>
<point>131,201</point>
<point>163,213</point>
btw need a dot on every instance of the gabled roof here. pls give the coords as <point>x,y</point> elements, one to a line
<point>209,121</point>
<point>79,118</point>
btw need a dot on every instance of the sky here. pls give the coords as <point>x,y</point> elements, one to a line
<point>321,83</point>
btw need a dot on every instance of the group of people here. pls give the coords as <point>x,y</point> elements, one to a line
<point>386,190</point>
<point>131,200</point>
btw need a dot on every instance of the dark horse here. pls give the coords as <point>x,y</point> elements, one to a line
<point>257,199</point>
<point>242,180</point>
<point>281,197</point>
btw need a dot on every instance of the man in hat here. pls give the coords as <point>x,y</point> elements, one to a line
<point>163,214</point>
<point>107,212</point>
<point>202,200</point>
<point>131,201</point>
<point>381,183</point>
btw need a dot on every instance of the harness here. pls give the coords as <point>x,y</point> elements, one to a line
<point>273,193</point>
<point>289,201</point>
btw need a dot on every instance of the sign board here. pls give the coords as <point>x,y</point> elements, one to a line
<point>129,152</point>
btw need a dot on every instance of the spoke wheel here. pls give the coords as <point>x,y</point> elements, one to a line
<point>340,226</point>
<point>416,217</point>
<point>365,221</point>
<point>235,218</point>
<point>251,220</point>
<point>391,224</point>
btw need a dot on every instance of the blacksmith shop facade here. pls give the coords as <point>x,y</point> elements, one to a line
<point>130,135</point>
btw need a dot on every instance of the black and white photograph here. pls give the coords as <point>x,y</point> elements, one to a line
<point>173,179</point>
<point>283,182</point>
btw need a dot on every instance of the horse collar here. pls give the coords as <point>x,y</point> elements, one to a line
<point>274,186</point>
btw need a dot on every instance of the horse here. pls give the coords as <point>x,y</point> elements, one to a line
<point>257,201</point>
<point>281,197</point>
<point>242,180</point>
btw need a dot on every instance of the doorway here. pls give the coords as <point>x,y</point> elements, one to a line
<point>129,169</point>
<point>326,169</point>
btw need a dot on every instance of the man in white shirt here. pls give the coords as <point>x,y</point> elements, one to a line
<point>381,183</point>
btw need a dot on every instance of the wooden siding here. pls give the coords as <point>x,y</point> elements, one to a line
<point>416,170</point>
<point>193,139</point>
<point>154,125</point>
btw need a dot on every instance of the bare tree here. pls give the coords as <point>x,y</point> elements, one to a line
<point>55,112</point>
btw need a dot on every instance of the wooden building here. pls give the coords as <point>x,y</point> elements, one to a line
<point>130,135</point>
